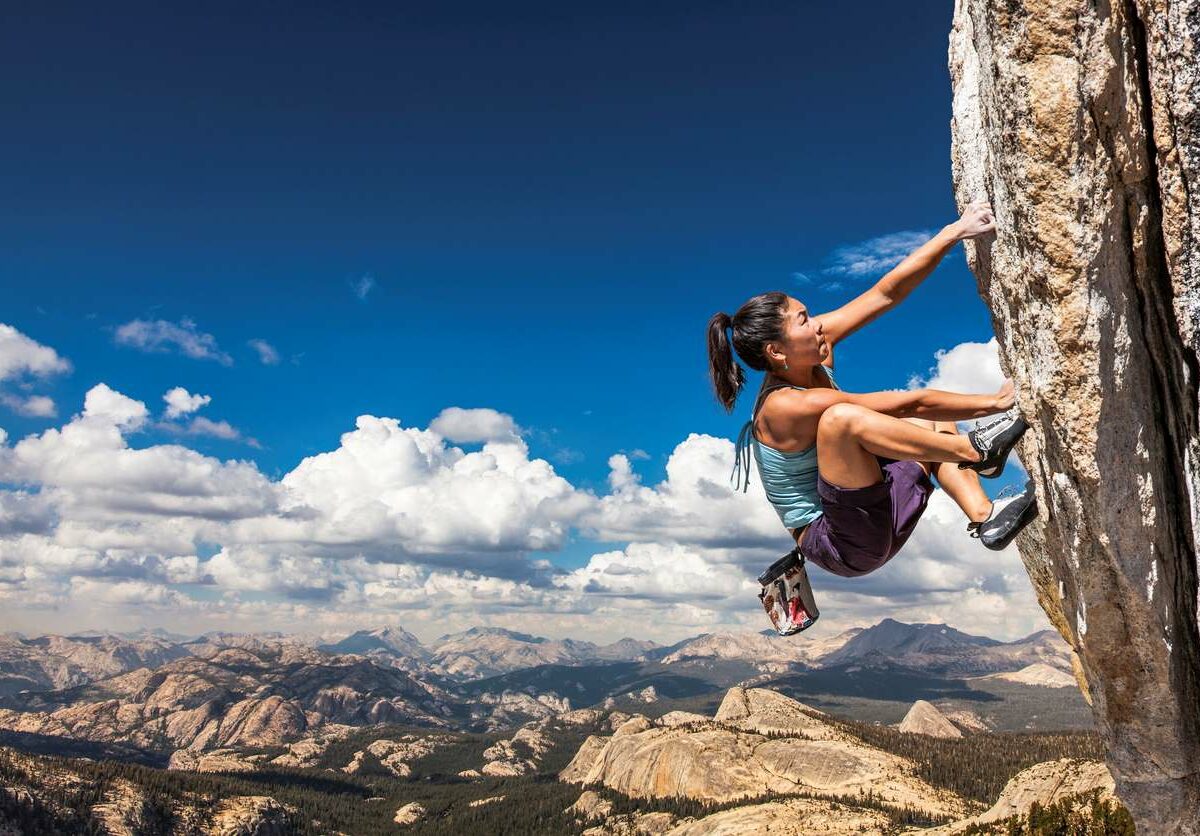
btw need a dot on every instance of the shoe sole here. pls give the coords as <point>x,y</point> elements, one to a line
<point>988,473</point>
<point>1026,517</point>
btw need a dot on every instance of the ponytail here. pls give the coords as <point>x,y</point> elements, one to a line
<point>727,376</point>
<point>759,322</point>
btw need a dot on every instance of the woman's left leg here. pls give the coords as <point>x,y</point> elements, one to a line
<point>961,485</point>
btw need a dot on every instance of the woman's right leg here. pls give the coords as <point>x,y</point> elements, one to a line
<point>849,437</point>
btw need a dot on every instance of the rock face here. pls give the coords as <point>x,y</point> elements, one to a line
<point>1043,783</point>
<point>410,813</point>
<point>795,817</point>
<point>1081,123</point>
<point>1045,676</point>
<point>924,718</point>
<point>759,742</point>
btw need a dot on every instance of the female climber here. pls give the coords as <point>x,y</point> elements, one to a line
<point>849,474</point>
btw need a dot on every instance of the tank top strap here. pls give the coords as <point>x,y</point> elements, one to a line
<point>741,448</point>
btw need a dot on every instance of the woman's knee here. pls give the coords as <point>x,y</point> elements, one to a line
<point>840,419</point>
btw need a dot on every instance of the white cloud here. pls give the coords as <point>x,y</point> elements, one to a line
<point>267,354</point>
<point>469,426</point>
<point>34,406</point>
<point>663,572</point>
<point>695,504</point>
<point>217,429</point>
<point>408,489</point>
<point>92,470</point>
<point>162,336</point>
<point>968,367</point>
<point>20,355</point>
<point>181,402</point>
<point>105,406</point>
<point>875,256</point>
<point>398,519</point>
<point>123,593</point>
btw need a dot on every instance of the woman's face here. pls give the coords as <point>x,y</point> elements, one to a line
<point>803,341</point>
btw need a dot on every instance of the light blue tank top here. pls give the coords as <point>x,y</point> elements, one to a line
<point>789,479</point>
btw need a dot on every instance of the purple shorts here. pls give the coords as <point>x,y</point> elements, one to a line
<point>862,528</point>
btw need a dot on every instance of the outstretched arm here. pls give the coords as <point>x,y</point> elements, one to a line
<point>933,404</point>
<point>889,291</point>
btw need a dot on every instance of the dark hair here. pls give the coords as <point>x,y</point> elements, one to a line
<point>755,324</point>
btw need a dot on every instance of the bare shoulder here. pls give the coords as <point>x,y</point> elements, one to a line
<point>788,418</point>
<point>799,403</point>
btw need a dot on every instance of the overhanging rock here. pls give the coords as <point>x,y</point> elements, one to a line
<point>1080,121</point>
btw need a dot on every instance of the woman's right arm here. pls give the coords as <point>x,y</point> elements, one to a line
<point>933,404</point>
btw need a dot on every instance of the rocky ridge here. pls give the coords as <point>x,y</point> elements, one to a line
<point>37,787</point>
<point>1043,783</point>
<point>234,699</point>
<point>50,662</point>
<point>758,742</point>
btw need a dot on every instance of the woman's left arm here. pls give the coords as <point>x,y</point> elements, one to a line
<point>890,291</point>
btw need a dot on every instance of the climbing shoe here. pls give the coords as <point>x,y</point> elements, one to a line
<point>787,595</point>
<point>994,441</point>
<point>1012,510</point>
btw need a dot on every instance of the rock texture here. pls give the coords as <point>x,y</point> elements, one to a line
<point>924,718</point>
<point>49,662</point>
<point>795,817</point>
<point>1079,122</point>
<point>1045,676</point>
<point>759,742</point>
<point>410,813</point>
<point>1044,783</point>
<point>235,698</point>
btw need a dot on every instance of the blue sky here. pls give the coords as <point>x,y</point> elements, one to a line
<point>530,209</point>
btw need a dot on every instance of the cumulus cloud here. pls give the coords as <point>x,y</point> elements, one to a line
<point>967,367</point>
<point>90,466</point>
<point>33,406</point>
<point>399,519</point>
<point>467,426</point>
<point>267,354</point>
<point>664,572</point>
<point>694,505</point>
<point>181,402</point>
<point>409,489</point>
<point>20,355</point>
<point>161,336</point>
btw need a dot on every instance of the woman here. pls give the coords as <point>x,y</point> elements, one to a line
<point>849,474</point>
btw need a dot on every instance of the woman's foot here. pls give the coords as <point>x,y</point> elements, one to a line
<point>993,442</point>
<point>1011,511</point>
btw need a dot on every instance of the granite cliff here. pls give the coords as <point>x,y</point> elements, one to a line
<point>1078,121</point>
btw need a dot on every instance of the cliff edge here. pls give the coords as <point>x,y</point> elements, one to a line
<point>1079,122</point>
